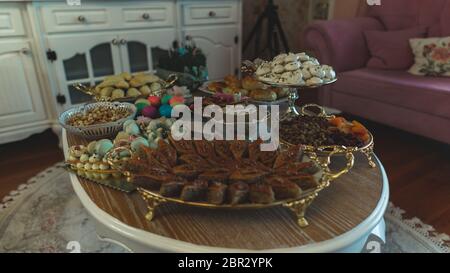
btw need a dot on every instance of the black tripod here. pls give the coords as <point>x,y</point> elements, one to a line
<point>273,29</point>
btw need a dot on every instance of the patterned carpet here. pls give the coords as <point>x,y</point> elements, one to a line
<point>45,215</point>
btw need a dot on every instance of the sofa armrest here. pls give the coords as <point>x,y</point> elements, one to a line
<point>341,43</point>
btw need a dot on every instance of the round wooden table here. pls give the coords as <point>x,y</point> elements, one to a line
<point>341,218</point>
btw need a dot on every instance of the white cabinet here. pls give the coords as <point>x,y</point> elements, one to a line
<point>220,45</point>
<point>20,100</point>
<point>22,110</point>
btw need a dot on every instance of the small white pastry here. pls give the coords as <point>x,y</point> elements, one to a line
<point>317,71</point>
<point>314,81</point>
<point>263,70</point>
<point>314,61</point>
<point>87,166</point>
<point>292,66</point>
<point>104,167</point>
<point>291,58</point>
<point>308,64</point>
<point>278,69</point>
<point>279,59</point>
<point>306,74</point>
<point>330,74</point>
<point>303,57</point>
<point>80,166</point>
<point>94,166</point>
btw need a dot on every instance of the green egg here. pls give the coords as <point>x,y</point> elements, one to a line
<point>136,144</point>
<point>103,146</point>
<point>128,122</point>
<point>140,106</point>
<point>132,129</point>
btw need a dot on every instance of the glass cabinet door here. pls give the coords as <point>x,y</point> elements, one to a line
<point>139,47</point>
<point>85,59</point>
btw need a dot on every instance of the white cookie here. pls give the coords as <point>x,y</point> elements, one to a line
<point>317,71</point>
<point>292,66</point>
<point>278,69</point>
<point>279,59</point>
<point>314,81</point>
<point>308,64</point>
<point>263,70</point>
<point>303,57</point>
<point>306,74</point>
<point>314,61</point>
<point>291,58</point>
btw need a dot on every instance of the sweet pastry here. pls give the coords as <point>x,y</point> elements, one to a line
<point>261,193</point>
<point>292,66</point>
<point>217,193</point>
<point>263,95</point>
<point>314,81</point>
<point>239,173</point>
<point>278,69</point>
<point>238,193</point>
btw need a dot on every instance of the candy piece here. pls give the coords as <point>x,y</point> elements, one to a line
<point>154,100</point>
<point>165,110</point>
<point>150,112</point>
<point>166,99</point>
<point>128,122</point>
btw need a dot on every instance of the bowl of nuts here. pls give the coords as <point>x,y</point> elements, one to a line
<point>97,120</point>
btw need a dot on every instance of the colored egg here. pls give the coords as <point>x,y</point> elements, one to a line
<point>91,147</point>
<point>103,146</point>
<point>132,129</point>
<point>165,110</point>
<point>137,143</point>
<point>166,99</point>
<point>140,106</point>
<point>154,100</point>
<point>128,122</point>
<point>176,100</point>
<point>150,112</point>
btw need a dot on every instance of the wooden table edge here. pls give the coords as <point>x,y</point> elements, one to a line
<point>165,244</point>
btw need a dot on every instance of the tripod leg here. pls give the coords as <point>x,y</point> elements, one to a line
<point>281,31</point>
<point>256,28</point>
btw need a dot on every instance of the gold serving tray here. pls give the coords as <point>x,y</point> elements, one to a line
<point>90,90</point>
<point>298,205</point>
<point>367,149</point>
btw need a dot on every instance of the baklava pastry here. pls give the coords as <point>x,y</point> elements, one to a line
<point>217,193</point>
<point>261,193</point>
<point>238,193</point>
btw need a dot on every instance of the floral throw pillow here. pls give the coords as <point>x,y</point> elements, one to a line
<point>432,57</point>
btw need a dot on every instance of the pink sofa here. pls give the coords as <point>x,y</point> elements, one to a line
<point>416,104</point>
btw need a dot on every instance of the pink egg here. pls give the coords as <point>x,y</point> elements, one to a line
<point>154,100</point>
<point>150,112</point>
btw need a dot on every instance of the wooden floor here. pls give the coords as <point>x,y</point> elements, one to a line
<point>418,169</point>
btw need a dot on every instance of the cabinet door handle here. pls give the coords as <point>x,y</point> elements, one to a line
<point>115,41</point>
<point>146,16</point>
<point>81,18</point>
<point>25,51</point>
<point>123,41</point>
<point>212,13</point>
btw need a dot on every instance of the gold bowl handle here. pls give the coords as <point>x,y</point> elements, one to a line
<point>325,162</point>
<point>322,112</point>
<point>170,81</point>
<point>117,164</point>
